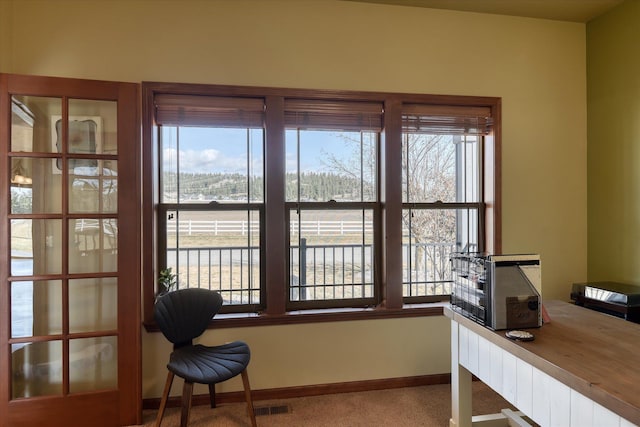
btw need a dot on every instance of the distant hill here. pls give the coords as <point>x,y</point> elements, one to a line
<point>227,187</point>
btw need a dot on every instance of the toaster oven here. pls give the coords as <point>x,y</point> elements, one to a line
<point>498,291</point>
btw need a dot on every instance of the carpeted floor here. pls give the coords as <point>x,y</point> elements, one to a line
<point>416,406</point>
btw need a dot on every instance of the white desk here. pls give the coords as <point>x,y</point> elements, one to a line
<point>582,370</point>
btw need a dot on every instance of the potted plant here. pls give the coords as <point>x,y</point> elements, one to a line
<point>166,282</point>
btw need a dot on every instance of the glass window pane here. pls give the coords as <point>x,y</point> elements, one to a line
<point>93,304</point>
<point>36,308</point>
<point>32,129</point>
<point>93,245</point>
<point>36,369</point>
<point>439,168</point>
<point>169,162</point>
<point>255,161</point>
<point>217,250</point>
<point>469,181</point>
<point>202,164</point>
<point>36,246</point>
<point>332,254</point>
<point>429,237</point>
<point>331,165</point>
<point>94,189</point>
<point>34,189</point>
<point>171,238</point>
<point>93,364</point>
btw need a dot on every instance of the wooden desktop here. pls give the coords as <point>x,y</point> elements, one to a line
<point>582,369</point>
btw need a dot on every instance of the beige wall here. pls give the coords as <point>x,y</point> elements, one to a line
<point>536,66</point>
<point>5,34</point>
<point>614,145</point>
<point>293,355</point>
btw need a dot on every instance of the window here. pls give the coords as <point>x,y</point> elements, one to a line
<point>441,183</point>
<point>286,200</point>
<point>211,195</point>
<point>332,203</point>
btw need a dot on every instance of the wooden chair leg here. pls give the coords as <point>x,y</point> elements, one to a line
<point>212,395</point>
<point>187,392</point>
<point>247,394</point>
<point>165,396</point>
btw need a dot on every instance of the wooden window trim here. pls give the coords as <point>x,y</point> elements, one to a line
<point>297,317</point>
<point>391,302</point>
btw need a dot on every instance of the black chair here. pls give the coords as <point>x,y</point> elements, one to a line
<point>183,315</point>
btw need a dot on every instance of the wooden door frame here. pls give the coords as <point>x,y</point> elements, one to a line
<point>127,399</point>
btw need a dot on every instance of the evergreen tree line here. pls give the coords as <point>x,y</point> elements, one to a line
<point>314,186</point>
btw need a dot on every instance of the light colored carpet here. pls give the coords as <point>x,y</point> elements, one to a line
<point>415,406</point>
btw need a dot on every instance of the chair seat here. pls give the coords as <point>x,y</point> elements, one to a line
<point>207,365</point>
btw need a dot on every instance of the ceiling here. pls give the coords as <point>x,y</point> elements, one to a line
<point>561,10</point>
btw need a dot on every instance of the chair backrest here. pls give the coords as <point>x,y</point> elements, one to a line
<point>184,314</point>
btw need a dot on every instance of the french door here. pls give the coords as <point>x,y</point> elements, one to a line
<point>69,252</point>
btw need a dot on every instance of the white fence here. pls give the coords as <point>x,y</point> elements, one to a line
<point>319,228</point>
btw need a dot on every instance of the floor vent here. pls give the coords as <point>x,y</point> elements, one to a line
<point>272,410</point>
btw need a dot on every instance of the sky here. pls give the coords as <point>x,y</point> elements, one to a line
<point>224,150</point>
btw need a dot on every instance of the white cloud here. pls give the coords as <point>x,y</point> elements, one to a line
<point>204,161</point>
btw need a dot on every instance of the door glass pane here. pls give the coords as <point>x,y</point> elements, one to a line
<point>93,245</point>
<point>93,364</point>
<point>84,136</point>
<point>93,304</point>
<point>32,128</point>
<point>93,127</point>
<point>36,246</point>
<point>36,369</point>
<point>93,188</point>
<point>34,189</point>
<point>36,308</point>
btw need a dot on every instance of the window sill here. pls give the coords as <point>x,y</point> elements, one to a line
<point>238,320</point>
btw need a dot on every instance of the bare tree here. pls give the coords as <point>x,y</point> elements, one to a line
<point>359,165</point>
<point>429,166</point>
<point>429,175</point>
